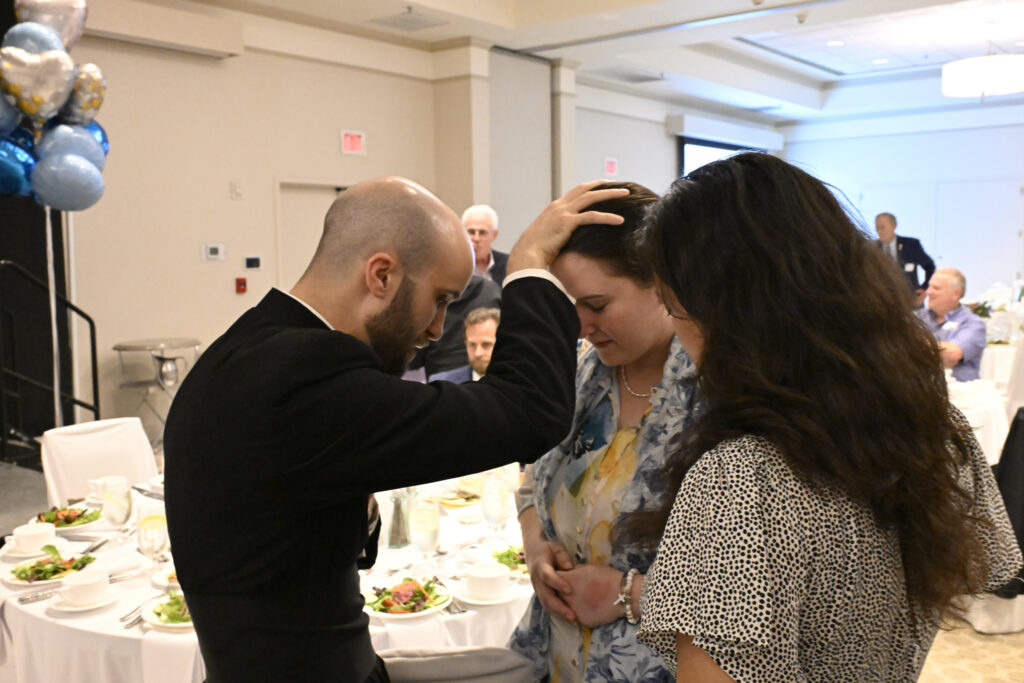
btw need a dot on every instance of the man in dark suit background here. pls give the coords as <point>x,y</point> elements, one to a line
<point>908,254</point>
<point>481,222</point>
<point>289,422</point>
<point>481,331</point>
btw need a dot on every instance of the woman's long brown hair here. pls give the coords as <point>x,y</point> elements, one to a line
<point>810,342</point>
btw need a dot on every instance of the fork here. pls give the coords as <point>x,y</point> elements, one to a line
<point>49,593</point>
<point>136,610</point>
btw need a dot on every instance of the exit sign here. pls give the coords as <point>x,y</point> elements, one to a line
<point>353,142</point>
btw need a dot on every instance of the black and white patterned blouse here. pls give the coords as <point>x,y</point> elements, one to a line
<point>779,581</point>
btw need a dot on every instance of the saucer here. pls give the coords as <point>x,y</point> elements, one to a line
<point>9,550</point>
<point>62,605</point>
<point>464,597</point>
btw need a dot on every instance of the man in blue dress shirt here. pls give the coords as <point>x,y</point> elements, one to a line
<point>961,334</point>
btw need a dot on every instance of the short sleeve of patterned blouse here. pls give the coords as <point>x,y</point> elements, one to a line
<point>731,564</point>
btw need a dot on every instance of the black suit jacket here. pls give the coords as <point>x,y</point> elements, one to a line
<point>281,431</point>
<point>909,252</point>
<point>500,266</point>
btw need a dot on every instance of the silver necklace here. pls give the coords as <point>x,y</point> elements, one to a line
<point>625,382</point>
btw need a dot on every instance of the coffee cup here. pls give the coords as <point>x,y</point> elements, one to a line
<point>30,538</point>
<point>86,587</point>
<point>487,581</point>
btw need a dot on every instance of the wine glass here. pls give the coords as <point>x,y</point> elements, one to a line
<point>151,532</point>
<point>494,500</point>
<point>117,500</point>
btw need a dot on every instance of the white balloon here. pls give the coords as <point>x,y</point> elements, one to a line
<point>66,17</point>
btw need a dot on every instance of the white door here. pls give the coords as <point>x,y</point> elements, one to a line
<point>300,222</point>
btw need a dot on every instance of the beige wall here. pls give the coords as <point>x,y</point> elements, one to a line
<point>646,153</point>
<point>520,133</point>
<point>182,128</point>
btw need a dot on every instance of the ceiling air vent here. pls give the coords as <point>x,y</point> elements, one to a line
<point>628,75</point>
<point>408,21</point>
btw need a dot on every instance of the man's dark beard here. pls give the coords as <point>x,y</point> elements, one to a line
<point>390,333</point>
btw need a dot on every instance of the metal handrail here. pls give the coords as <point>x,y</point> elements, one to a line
<point>5,372</point>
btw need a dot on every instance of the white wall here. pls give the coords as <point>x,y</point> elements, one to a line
<point>959,191</point>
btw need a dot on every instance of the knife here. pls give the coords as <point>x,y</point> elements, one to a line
<point>148,493</point>
<point>50,592</point>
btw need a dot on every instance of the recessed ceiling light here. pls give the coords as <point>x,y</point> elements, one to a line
<point>880,60</point>
<point>835,43</point>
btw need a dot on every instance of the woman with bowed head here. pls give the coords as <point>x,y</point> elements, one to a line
<point>634,391</point>
<point>831,504</point>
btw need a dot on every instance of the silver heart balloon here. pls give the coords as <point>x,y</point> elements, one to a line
<point>39,84</point>
<point>66,17</point>
<point>86,96</point>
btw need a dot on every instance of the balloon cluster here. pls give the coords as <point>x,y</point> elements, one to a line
<point>50,145</point>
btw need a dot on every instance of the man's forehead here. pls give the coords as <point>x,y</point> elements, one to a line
<point>478,223</point>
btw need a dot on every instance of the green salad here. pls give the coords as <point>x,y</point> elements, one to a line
<point>65,517</point>
<point>407,597</point>
<point>513,558</point>
<point>173,610</point>
<point>52,567</point>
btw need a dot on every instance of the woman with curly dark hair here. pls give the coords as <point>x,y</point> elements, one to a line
<point>830,503</point>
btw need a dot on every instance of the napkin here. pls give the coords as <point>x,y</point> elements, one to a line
<point>412,633</point>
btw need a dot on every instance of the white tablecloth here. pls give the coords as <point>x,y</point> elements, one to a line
<point>985,409</point>
<point>92,647</point>
<point>997,363</point>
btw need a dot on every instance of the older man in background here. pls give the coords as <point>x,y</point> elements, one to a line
<point>481,327</point>
<point>960,332</point>
<point>907,253</point>
<point>481,222</point>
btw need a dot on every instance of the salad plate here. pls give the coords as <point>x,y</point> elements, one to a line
<point>403,598</point>
<point>89,517</point>
<point>62,605</point>
<point>50,571</point>
<point>166,578</point>
<point>171,604</point>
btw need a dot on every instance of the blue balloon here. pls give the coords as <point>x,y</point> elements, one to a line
<point>67,182</point>
<point>33,37</point>
<point>100,135</point>
<point>15,168</point>
<point>9,116</point>
<point>65,139</point>
<point>24,138</point>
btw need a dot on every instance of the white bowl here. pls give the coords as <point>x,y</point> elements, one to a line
<point>487,581</point>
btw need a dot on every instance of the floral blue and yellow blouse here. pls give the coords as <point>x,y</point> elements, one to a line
<point>581,488</point>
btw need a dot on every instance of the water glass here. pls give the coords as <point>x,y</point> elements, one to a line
<point>424,523</point>
<point>151,531</point>
<point>494,499</point>
<point>117,500</point>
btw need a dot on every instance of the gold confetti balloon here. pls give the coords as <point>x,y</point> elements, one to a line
<point>86,96</point>
<point>36,84</point>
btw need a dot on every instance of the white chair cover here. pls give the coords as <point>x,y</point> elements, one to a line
<point>75,454</point>
<point>466,664</point>
<point>1015,387</point>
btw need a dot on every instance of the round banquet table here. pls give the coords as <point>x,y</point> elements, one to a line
<point>997,362</point>
<point>41,643</point>
<point>984,406</point>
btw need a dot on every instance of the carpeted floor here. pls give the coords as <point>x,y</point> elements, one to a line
<point>22,494</point>
<point>963,654</point>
